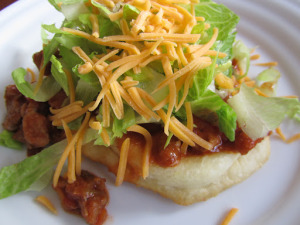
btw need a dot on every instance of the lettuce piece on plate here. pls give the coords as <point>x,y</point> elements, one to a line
<point>6,139</point>
<point>267,81</point>
<point>21,176</point>
<point>242,54</point>
<point>257,115</point>
<point>48,89</point>
<point>209,106</point>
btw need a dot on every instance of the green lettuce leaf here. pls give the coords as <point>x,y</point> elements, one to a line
<point>217,15</point>
<point>90,77</point>
<point>86,92</point>
<point>48,89</point>
<point>59,74</point>
<point>119,126</point>
<point>108,28</point>
<point>202,80</point>
<point>267,81</point>
<point>227,121</point>
<point>72,9</point>
<point>212,108</point>
<point>130,12</point>
<point>257,115</point>
<point>56,3</point>
<point>6,139</point>
<point>19,177</point>
<point>103,9</point>
<point>49,50</point>
<point>69,58</point>
<point>148,81</point>
<point>242,54</point>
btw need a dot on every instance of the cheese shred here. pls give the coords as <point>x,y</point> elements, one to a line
<point>47,203</point>
<point>148,147</point>
<point>293,138</point>
<point>68,149</point>
<point>122,162</point>
<point>229,216</point>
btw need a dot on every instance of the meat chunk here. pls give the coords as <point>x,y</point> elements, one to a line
<point>38,59</point>
<point>35,129</point>
<point>14,101</point>
<point>57,100</point>
<point>28,119</point>
<point>87,196</point>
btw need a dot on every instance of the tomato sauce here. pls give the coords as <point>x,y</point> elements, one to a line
<point>170,155</point>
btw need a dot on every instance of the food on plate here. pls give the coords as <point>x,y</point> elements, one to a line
<point>158,91</point>
<point>43,200</point>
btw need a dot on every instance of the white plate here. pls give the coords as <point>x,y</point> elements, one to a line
<point>270,196</point>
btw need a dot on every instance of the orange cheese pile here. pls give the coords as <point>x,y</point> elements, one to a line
<point>161,31</point>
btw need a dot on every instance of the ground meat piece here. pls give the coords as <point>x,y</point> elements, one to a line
<point>57,100</point>
<point>33,151</point>
<point>19,135</point>
<point>35,129</point>
<point>87,196</point>
<point>56,134</point>
<point>38,59</point>
<point>39,107</point>
<point>14,101</point>
<point>28,119</point>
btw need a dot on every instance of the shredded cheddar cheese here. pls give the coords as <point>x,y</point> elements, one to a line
<point>190,123</point>
<point>255,57</point>
<point>229,216</point>
<point>223,81</point>
<point>33,76</point>
<point>280,133</point>
<point>259,92</point>
<point>293,138</point>
<point>269,64</point>
<point>47,203</point>
<point>122,162</point>
<point>40,79</point>
<point>70,85</point>
<point>69,148</point>
<point>148,147</point>
<point>160,32</point>
<point>71,157</point>
<point>95,25</point>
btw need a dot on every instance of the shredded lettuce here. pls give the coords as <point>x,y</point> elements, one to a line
<point>257,115</point>
<point>202,80</point>
<point>217,15</point>
<point>244,108</point>
<point>59,74</point>
<point>267,81</point>
<point>86,92</point>
<point>21,176</point>
<point>48,89</point>
<point>211,107</point>
<point>72,9</point>
<point>119,126</point>
<point>6,139</point>
<point>103,9</point>
<point>242,54</point>
<point>130,12</point>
